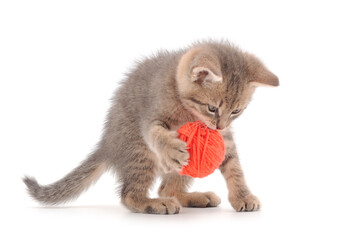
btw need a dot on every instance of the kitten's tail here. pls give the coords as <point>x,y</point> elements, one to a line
<point>69,187</point>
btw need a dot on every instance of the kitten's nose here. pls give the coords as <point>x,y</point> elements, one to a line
<point>220,126</point>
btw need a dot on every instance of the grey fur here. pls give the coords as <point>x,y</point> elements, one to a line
<point>139,141</point>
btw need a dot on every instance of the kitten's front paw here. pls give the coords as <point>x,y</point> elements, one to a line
<point>247,203</point>
<point>174,154</point>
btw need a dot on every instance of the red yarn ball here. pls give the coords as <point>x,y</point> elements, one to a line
<point>205,146</point>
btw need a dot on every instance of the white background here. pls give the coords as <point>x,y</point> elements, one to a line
<point>60,62</point>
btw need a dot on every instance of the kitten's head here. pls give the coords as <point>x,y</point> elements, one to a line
<point>216,80</point>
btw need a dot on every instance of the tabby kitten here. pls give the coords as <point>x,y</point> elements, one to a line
<point>209,81</point>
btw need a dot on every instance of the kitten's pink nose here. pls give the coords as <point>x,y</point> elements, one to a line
<point>220,126</point>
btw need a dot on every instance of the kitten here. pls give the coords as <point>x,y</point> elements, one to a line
<point>209,81</point>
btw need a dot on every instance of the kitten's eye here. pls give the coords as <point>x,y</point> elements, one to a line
<point>236,111</point>
<point>212,109</point>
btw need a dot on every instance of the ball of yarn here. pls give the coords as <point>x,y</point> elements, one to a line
<point>205,146</point>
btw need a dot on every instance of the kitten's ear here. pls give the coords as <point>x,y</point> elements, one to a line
<point>199,66</point>
<point>204,76</point>
<point>260,75</point>
<point>264,77</point>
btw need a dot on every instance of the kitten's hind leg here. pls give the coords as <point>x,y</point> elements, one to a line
<point>136,182</point>
<point>174,185</point>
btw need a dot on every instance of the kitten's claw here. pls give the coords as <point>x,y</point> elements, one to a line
<point>246,204</point>
<point>174,154</point>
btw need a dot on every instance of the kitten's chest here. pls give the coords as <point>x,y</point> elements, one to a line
<point>180,119</point>
<point>175,127</point>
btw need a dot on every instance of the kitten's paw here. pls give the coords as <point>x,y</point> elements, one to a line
<point>162,206</point>
<point>200,200</point>
<point>174,155</point>
<point>247,203</point>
